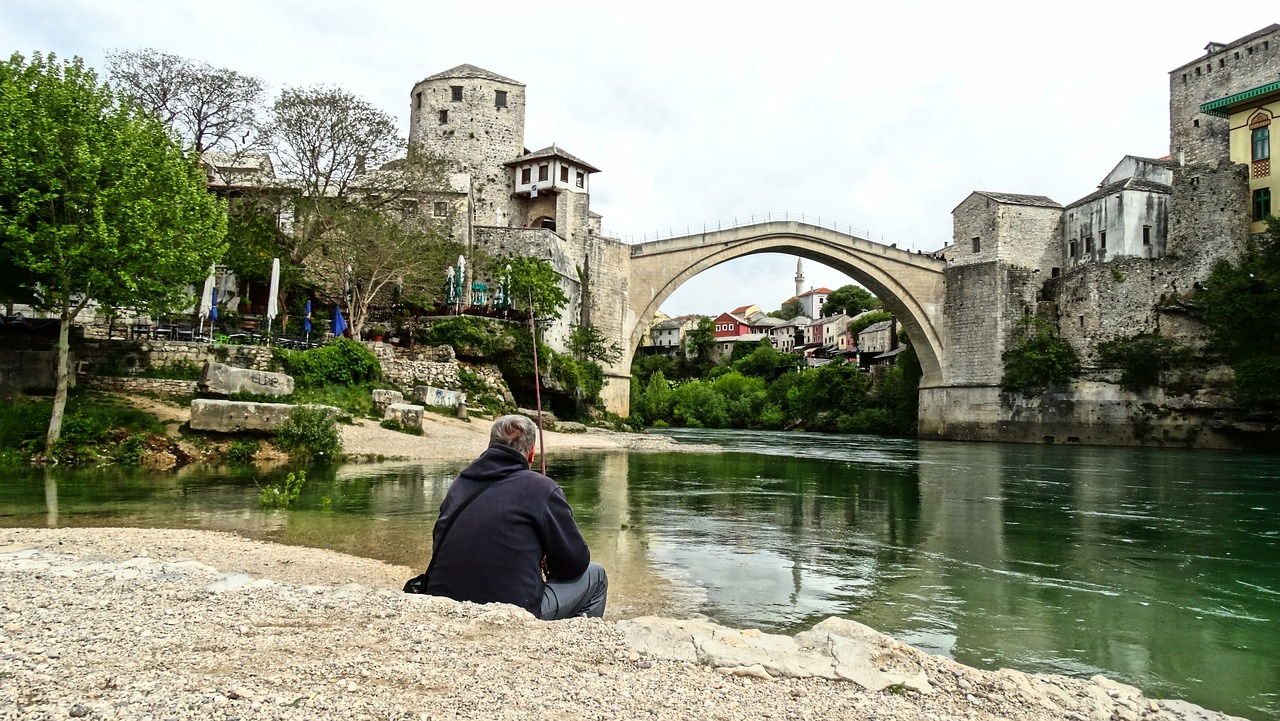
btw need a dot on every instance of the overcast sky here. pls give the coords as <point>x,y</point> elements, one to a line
<point>879,117</point>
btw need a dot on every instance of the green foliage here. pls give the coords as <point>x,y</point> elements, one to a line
<point>1117,275</point>
<point>850,300</point>
<point>183,369</point>
<point>284,493</point>
<point>131,450</point>
<point>868,320</point>
<point>310,433</point>
<point>93,430</point>
<point>1142,358</point>
<point>1038,359</point>
<point>344,361</point>
<point>97,201</point>
<point>701,339</point>
<point>789,310</point>
<point>392,424</point>
<point>534,278</point>
<point>1239,303</point>
<point>588,343</point>
<point>469,336</point>
<point>241,451</point>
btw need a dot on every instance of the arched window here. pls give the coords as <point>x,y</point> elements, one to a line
<point>1260,143</point>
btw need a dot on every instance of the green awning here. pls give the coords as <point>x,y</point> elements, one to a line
<point>1222,106</point>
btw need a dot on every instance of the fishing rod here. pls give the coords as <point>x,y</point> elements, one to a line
<point>537,382</point>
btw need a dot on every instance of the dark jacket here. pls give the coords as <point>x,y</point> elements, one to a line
<point>493,552</point>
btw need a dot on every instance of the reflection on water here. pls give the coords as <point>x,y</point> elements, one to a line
<point>1156,567</point>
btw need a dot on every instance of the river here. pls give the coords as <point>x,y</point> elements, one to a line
<point>1157,567</point>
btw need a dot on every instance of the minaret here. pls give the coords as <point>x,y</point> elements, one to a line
<point>799,277</point>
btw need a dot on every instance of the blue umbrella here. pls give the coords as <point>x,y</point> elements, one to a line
<point>339,323</point>
<point>213,307</point>
<point>306,324</point>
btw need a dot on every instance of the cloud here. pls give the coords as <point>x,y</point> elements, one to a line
<point>881,116</point>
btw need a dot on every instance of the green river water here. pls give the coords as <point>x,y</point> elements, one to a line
<point>1157,567</point>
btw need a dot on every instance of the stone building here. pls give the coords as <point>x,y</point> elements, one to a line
<point>1126,217</point>
<point>517,202</point>
<point>1224,69</point>
<point>1250,113</point>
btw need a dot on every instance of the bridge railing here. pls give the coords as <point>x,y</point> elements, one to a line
<point>754,219</point>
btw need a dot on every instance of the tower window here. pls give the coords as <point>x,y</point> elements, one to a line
<point>526,176</point>
<point>1261,203</point>
<point>1195,123</point>
<point>977,244</point>
<point>1072,249</point>
<point>1261,143</point>
<point>418,100</point>
<point>564,173</point>
<point>456,93</point>
<point>1088,244</point>
<point>582,178</point>
<point>440,209</point>
<point>1102,240</point>
<point>444,116</point>
<point>500,99</point>
<point>1146,235</point>
<point>544,172</point>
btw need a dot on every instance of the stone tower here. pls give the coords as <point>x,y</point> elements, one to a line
<point>475,119</point>
<point>799,277</point>
<point>1224,69</point>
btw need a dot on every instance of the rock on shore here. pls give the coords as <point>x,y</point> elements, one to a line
<point>129,623</point>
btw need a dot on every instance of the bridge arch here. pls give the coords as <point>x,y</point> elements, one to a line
<point>909,284</point>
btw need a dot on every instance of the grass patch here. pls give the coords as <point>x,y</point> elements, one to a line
<point>95,428</point>
<point>392,424</point>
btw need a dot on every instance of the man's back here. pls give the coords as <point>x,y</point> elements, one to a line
<point>494,549</point>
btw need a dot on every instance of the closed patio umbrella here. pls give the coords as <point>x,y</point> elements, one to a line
<point>273,297</point>
<point>339,323</point>
<point>206,300</point>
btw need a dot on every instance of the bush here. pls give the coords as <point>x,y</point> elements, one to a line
<point>183,369</point>
<point>284,493</point>
<point>241,452</point>
<point>392,424</point>
<point>131,450</point>
<point>310,433</point>
<point>1038,359</point>
<point>469,336</point>
<point>344,362</point>
<point>1142,358</point>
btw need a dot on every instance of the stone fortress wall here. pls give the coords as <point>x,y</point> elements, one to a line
<point>1092,298</point>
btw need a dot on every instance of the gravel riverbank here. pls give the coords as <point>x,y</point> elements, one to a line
<point>168,624</point>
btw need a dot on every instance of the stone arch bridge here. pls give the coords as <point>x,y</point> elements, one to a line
<point>909,284</point>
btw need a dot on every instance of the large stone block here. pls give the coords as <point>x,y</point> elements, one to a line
<point>409,416</point>
<point>221,379</point>
<point>221,416</point>
<point>433,396</point>
<point>383,398</point>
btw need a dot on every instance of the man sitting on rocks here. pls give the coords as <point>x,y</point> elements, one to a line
<point>503,526</point>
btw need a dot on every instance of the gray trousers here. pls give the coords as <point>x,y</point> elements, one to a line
<point>583,596</point>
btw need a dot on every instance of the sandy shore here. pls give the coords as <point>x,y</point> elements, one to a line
<point>131,623</point>
<point>446,438</point>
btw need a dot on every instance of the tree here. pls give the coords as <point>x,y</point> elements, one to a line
<point>326,137</point>
<point>1238,302</point>
<point>96,199</point>
<point>850,300</point>
<point>209,108</point>
<point>790,309</point>
<point>701,339</point>
<point>1040,357</point>
<point>588,343</point>
<point>371,251</point>
<point>533,280</point>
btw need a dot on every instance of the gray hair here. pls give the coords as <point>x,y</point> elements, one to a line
<point>514,431</point>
